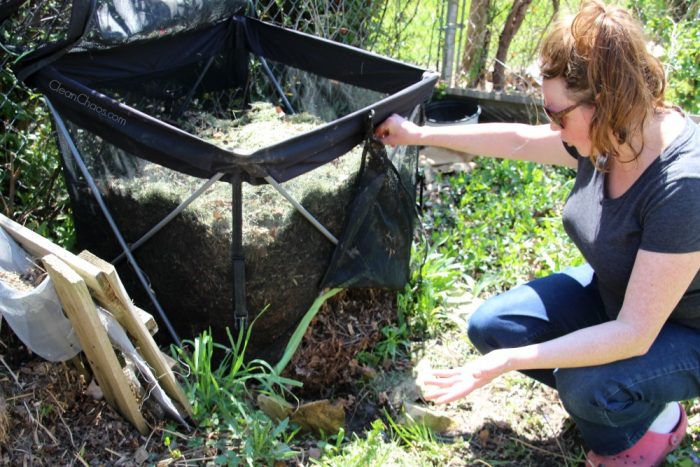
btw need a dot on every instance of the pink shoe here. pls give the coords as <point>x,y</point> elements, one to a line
<point>649,451</point>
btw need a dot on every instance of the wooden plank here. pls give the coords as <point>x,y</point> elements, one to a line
<point>127,317</point>
<point>510,97</point>
<point>147,319</point>
<point>80,309</point>
<point>111,302</point>
<point>39,246</point>
<point>501,106</point>
<point>106,287</point>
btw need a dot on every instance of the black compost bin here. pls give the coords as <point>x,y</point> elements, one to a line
<point>450,111</point>
<point>147,113</point>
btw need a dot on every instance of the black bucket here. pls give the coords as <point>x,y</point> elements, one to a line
<point>450,111</point>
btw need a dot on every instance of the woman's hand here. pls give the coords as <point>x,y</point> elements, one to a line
<point>397,130</point>
<point>455,383</point>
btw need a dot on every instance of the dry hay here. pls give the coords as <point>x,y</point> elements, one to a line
<point>15,281</point>
<point>4,420</point>
<point>189,261</point>
<point>23,282</point>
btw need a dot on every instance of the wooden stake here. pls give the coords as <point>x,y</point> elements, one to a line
<point>80,309</point>
<point>123,311</point>
<point>106,287</point>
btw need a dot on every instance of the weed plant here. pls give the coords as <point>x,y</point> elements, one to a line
<point>487,230</point>
<point>232,430</point>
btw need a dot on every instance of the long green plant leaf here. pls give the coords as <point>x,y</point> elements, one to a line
<point>301,329</point>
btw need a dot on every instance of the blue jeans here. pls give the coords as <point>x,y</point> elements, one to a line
<point>614,404</point>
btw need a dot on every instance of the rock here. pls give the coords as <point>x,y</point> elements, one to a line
<point>274,407</point>
<point>406,390</point>
<point>141,455</point>
<point>314,453</point>
<point>436,420</point>
<point>93,390</point>
<point>317,416</point>
<point>320,416</point>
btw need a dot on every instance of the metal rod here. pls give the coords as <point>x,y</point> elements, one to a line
<point>96,193</point>
<point>196,194</point>
<point>289,109</point>
<point>190,94</point>
<point>301,209</point>
<point>450,29</point>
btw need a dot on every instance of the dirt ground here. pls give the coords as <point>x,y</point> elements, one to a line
<point>48,415</point>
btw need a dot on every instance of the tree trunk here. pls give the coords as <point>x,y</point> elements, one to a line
<point>476,45</point>
<point>679,9</point>
<point>513,23</point>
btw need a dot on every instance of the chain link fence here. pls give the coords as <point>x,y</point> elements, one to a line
<point>31,181</point>
<point>475,44</point>
<point>409,30</point>
<point>459,38</point>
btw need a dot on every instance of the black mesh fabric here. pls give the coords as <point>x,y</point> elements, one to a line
<point>188,262</point>
<point>376,246</point>
<point>72,84</point>
<point>8,7</point>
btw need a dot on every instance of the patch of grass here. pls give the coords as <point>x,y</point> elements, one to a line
<point>378,447</point>
<point>231,430</point>
<point>489,230</point>
<point>502,223</point>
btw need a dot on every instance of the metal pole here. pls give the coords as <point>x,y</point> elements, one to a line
<point>98,197</point>
<point>240,310</point>
<point>278,87</point>
<point>302,210</point>
<point>156,228</point>
<point>459,46</point>
<point>450,30</point>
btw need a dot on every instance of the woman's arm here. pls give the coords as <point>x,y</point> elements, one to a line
<point>657,283</point>
<point>505,140</point>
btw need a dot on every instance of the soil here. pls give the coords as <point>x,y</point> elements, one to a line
<point>49,414</point>
<point>48,417</point>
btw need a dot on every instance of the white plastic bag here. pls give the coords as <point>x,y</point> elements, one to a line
<point>35,316</point>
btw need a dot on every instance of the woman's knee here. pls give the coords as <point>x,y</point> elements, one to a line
<point>593,395</point>
<point>495,325</point>
<point>510,319</point>
<point>481,326</point>
<point>578,388</point>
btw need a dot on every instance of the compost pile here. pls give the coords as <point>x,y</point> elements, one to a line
<point>189,261</point>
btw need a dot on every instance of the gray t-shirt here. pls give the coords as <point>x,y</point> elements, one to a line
<point>660,212</point>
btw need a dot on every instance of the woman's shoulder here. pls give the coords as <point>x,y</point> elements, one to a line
<point>682,154</point>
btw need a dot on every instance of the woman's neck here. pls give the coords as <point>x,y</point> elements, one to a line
<point>646,145</point>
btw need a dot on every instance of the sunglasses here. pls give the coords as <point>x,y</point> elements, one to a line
<point>558,117</point>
